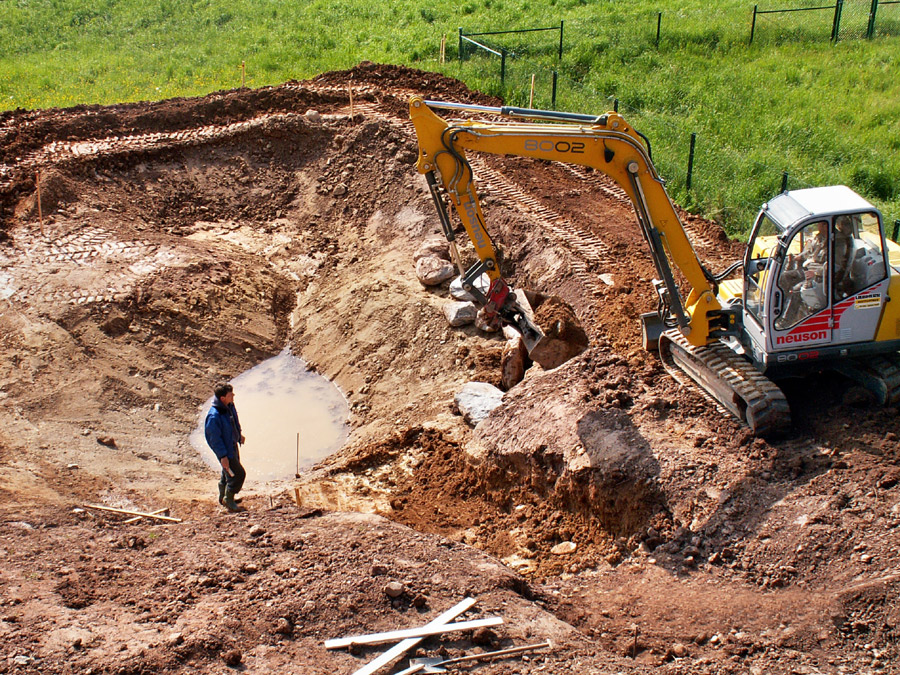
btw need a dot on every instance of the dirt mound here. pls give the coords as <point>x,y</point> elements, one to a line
<point>600,505</point>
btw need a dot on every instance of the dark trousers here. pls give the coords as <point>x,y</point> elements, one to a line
<point>233,484</point>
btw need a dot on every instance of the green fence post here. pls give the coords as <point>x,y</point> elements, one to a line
<point>560,39</point>
<point>690,173</point>
<point>896,230</point>
<point>502,65</point>
<point>873,9</point>
<point>553,92</point>
<point>658,26</point>
<point>836,26</point>
<point>753,24</point>
<point>460,48</point>
<point>784,179</point>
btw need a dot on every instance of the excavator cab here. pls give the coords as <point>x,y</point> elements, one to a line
<point>816,279</point>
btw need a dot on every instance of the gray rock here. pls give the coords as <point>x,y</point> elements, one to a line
<point>433,271</point>
<point>565,548</point>
<point>313,116</point>
<point>476,400</point>
<point>459,313</point>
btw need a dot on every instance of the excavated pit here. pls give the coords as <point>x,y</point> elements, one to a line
<point>182,242</point>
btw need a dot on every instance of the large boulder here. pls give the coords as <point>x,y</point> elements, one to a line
<point>436,247</point>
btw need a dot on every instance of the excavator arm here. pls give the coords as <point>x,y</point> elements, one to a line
<point>605,143</point>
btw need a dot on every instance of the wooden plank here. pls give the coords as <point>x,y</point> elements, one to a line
<point>401,648</point>
<point>132,513</point>
<point>424,631</point>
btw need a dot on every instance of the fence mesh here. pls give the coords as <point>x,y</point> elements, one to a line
<point>854,19</point>
<point>887,21</point>
<point>826,20</point>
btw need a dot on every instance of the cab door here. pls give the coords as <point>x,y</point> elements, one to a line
<point>858,277</point>
<point>805,310</point>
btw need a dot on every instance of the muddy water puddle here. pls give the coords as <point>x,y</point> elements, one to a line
<point>277,400</point>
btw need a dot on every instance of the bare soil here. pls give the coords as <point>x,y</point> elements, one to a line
<point>181,242</point>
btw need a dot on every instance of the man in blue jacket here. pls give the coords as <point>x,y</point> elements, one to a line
<point>223,434</point>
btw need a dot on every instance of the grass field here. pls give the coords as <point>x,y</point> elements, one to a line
<point>825,112</point>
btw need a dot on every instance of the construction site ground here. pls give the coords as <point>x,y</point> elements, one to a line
<point>602,507</point>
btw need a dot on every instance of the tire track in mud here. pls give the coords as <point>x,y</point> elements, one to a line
<point>58,152</point>
<point>85,266</point>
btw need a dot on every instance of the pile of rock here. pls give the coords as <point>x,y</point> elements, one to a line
<point>434,267</point>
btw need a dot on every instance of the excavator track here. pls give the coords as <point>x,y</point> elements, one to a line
<point>879,374</point>
<point>730,381</point>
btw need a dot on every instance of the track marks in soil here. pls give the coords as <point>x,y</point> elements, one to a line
<point>589,250</point>
<point>58,279</point>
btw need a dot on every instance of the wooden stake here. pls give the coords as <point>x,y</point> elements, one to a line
<point>297,497</point>
<point>161,512</point>
<point>350,89</point>
<point>531,95</point>
<point>443,47</point>
<point>40,208</point>
<point>243,70</point>
<point>424,631</point>
<point>132,513</point>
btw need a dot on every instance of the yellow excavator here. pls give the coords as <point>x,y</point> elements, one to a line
<point>816,281</point>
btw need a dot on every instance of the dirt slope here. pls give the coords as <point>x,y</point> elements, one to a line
<point>181,242</point>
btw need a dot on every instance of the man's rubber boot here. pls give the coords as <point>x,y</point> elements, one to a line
<point>230,504</point>
<point>221,494</point>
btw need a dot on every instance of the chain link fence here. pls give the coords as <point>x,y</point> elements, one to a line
<point>838,20</point>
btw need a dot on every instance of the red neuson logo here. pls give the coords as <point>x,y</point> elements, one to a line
<point>798,338</point>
